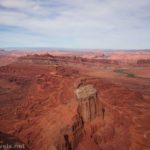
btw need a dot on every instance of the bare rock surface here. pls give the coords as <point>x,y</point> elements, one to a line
<point>67,105</point>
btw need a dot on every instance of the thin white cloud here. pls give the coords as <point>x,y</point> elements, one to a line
<point>22,5</point>
<point>83,21</point>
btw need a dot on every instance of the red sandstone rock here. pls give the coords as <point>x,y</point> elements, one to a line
<point>48,103</point>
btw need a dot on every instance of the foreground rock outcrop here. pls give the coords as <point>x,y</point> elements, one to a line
<point>87,98</point>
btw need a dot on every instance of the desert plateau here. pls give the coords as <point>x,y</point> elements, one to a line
<point>75,100</point>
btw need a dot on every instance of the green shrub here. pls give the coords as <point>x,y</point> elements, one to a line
<point>130,75</point>
<point>119,70</point>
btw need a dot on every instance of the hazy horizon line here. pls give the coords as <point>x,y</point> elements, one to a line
<point>56,48</point>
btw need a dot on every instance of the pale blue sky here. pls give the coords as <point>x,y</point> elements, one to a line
<point>114,24</point>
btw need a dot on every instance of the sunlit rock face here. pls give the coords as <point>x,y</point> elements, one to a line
<point>87,97</point>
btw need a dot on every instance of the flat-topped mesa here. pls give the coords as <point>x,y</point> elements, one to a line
<point>38,59</point>
<point>50,59</point>
<point>87,98</point>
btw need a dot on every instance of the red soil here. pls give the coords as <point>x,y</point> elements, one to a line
<point>39,106</point>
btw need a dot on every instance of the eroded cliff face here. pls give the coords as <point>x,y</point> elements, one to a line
<point>87,111</point>
<point>87,99</point>
<point>83,125</point>
<point>71,135</point>
<point>108,113</point>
